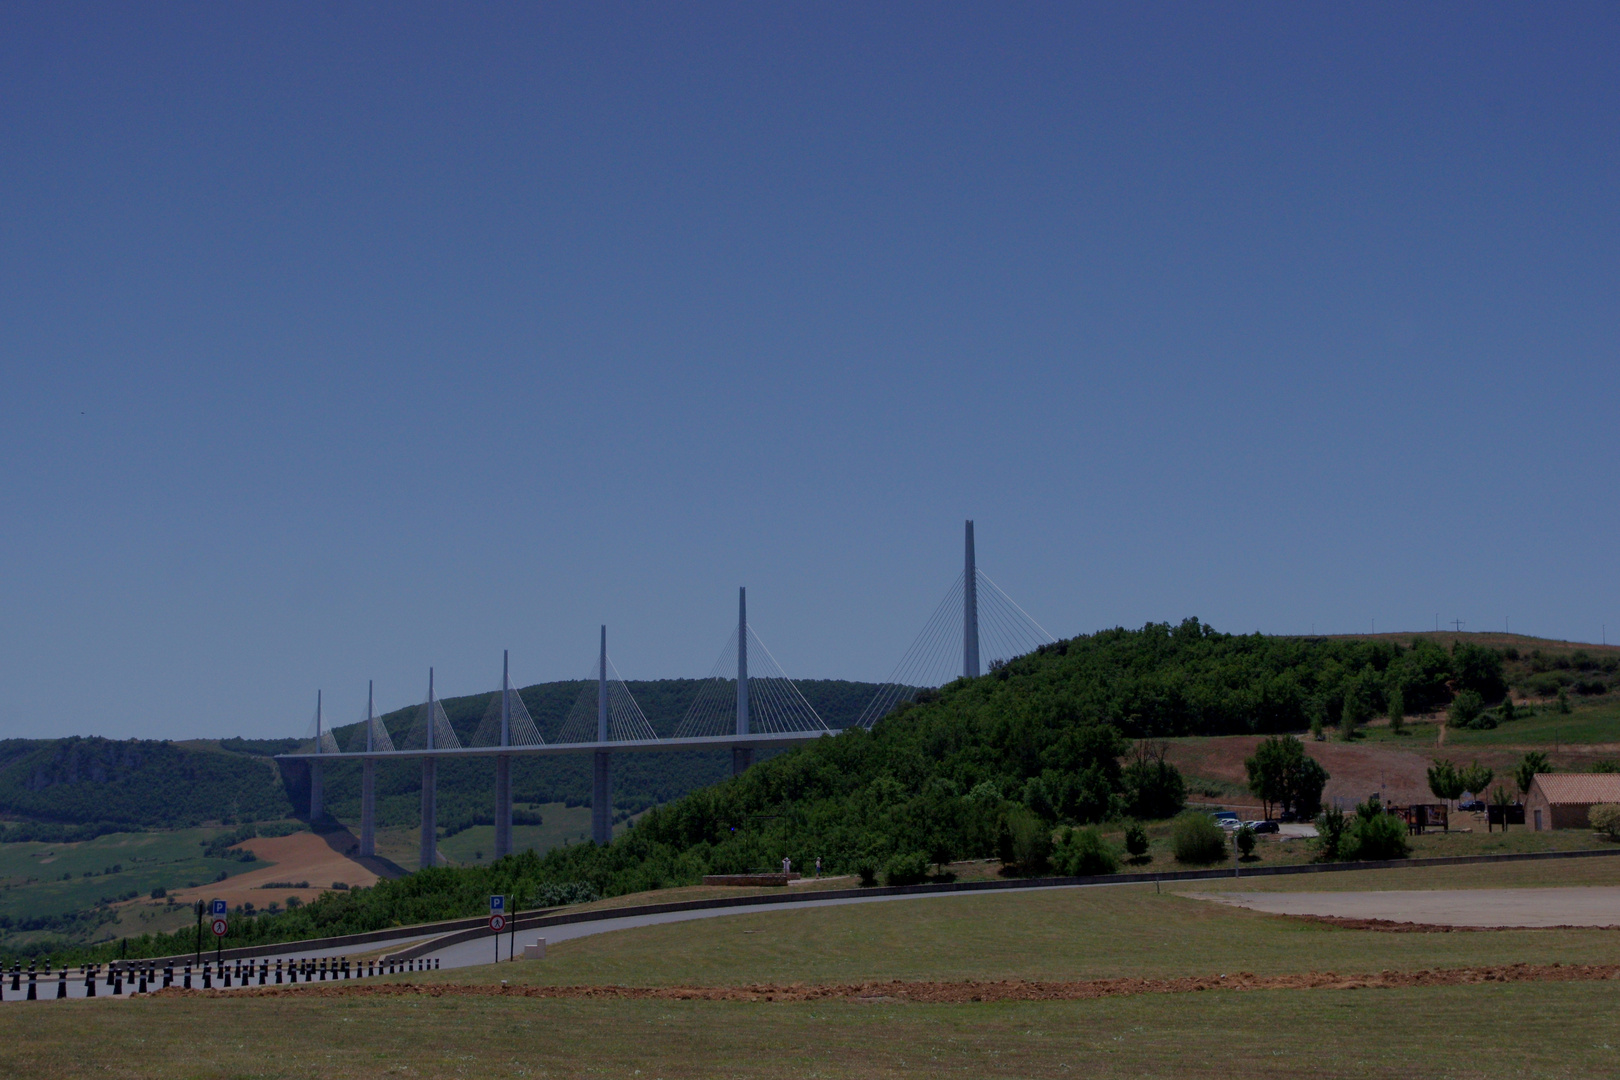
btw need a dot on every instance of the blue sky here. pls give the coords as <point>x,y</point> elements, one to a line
<point>339,340</point>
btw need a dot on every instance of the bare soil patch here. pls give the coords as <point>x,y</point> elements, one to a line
<point>1591,906</point>
<point>950,993</point>
<point>1355,770</point>
<point>300,857</point>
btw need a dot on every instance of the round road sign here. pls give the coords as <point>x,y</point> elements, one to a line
<point>219,927</point>
<point>497,923</point>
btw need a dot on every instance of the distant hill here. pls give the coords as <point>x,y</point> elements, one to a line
<point>160,784</point>
<point>466,787</point>
<point>136,782</point>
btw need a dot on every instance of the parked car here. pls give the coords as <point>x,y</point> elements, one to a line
<point>1476,805</point>
<point>1226,819</point>
<point>1288,816</point>
<point>1263,826</point>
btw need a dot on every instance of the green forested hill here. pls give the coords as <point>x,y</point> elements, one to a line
<point>155,784</point>
<point>134,783</point>
<point>1035,743</point>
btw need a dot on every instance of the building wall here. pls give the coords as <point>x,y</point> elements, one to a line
<point>1554,815</point>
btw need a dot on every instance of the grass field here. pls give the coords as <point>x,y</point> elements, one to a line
<point>1519,1030</point>
<point>1557,1030</point>
<point>562,824</point>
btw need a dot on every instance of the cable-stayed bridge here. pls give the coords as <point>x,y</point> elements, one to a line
<point>747,703</point>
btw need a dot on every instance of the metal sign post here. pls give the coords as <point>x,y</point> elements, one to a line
<point>497,923</point>
<point>220,910</point>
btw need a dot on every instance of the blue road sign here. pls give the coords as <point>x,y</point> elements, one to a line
<point>218,907</point>
<point>497,903</point>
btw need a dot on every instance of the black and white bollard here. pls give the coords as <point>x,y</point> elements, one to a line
<point>33,991</point>
<point>61,984</point>
<point>90,981</point>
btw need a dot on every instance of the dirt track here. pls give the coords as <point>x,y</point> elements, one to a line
<point>950,993</point>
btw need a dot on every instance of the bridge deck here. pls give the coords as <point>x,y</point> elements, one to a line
<point>708,742</point>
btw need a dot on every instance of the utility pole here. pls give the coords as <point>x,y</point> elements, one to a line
<point>1458,623</point>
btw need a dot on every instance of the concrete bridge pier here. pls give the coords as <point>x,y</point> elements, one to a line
<point>602,797</point>
<point>430,823</point>
<point>503,805</point>
<point>317,797</point>
<point>368,807</point>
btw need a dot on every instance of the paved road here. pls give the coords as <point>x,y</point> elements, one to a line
<point>1591,905</point>
<point>482,950</point>
<point>46,988</point>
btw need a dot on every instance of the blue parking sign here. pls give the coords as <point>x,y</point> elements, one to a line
<point>218,907</point>
<point>497,903</point>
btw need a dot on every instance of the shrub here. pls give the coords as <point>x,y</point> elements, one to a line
<point>1245,841</point>
<point>1083,851</point>
<point>1330,826</point>
<point>159,893</point>
<point>1466,708</point>
<point>1025,842</point>
<point>1374,834</point>
<point>1605,818</point>
<point>910,868</point>
<point>867,870</point>
<point>1136,839</point>
<point>1198,839</point>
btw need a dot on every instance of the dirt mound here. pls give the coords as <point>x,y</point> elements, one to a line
<point>952,993</point>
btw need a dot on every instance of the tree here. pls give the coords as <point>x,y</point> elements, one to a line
<point>1330,826</point>
<point>1397,710</point>
<point>1445,781</point>
<point>1533,762</point>
<point>1136,839</point>
<point>1562,706</point>
<point>1282,774</point>
<point>1245,841</point>
<point>1154,788</point>
<point>1476,778</point>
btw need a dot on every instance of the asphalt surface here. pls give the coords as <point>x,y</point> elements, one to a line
<point>482,950</point>
<point>1590,905</point>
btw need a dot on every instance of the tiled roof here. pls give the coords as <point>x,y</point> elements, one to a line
<point>1580,787</point>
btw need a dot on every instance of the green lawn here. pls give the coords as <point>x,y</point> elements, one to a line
<point>1051,935</point>
<point>1588,724</point>
<point>562,824</point>
<point>1515,1030</point>
<point>1556,1030</point>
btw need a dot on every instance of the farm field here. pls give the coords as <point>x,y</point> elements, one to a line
<point>562,824</point>
<point>39,880</point>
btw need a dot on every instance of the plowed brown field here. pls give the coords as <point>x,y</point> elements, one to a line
<point>300,857</point>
